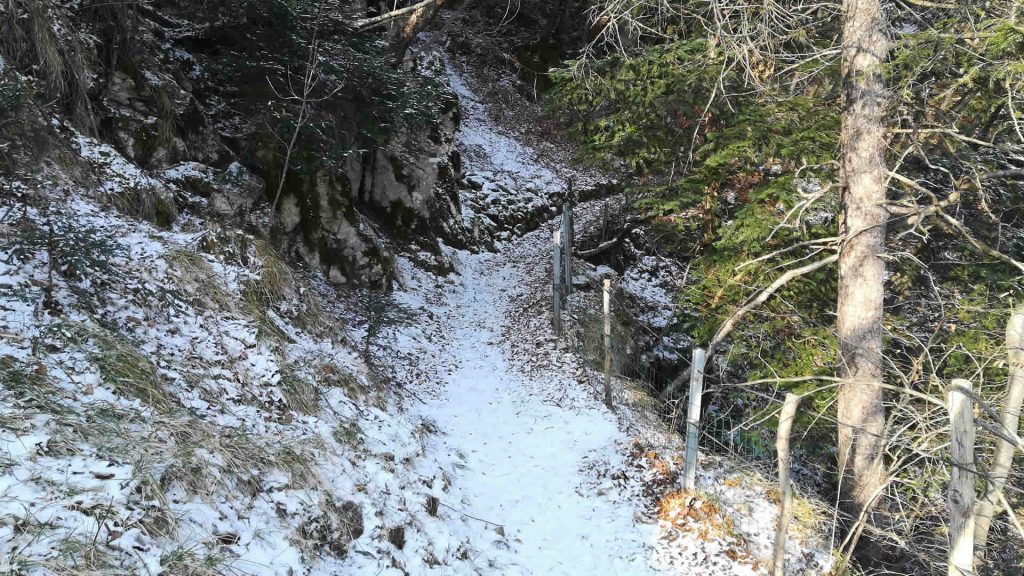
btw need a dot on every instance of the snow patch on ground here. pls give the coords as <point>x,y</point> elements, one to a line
<point>506,184</point>
<point>115,172</point>
<point>488,150</point>
<point>151,421</point>
<point>653,283</point>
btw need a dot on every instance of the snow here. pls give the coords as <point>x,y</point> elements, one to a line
<point>653,282</point>
<point>507,183</point>
<point>489,149</point>
<point>468,440</point>
<point>524,448</point>
<point>55,469</point>
<point>543,457</point>
<point>116,173</point>
<point>523,458</point>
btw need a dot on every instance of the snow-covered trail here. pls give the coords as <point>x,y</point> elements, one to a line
<point>530,451</point>
<point>544,480</point>
<point>523,456</point>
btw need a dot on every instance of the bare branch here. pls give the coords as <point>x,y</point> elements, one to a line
<point>952,223</point>
<point>763,296</point>
<point>367,23</point>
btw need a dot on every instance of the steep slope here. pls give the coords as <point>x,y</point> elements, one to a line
<point>181,402</point>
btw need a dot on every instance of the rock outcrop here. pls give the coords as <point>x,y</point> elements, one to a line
<point>200,101</point>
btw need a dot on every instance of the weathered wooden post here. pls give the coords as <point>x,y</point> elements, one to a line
<point>608,343</point>
<point>572,224</point>
<point>693,418</point>
<point>567,252</point>
<point>962,478</point>
<point>604,222</point>
<point>785,486</point>
<point>556,282</point>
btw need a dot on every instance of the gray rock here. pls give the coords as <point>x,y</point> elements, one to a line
<point>413,181</point>
<point>231,192</point>
<point>582,281</point>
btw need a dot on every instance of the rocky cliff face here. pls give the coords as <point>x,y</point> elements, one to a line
<point>202,100</point>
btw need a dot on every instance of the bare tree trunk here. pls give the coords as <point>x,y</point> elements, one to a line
<point>859,309</point>
<point>417,16</point>
<point>786,417</point>
<point>1009,420</point>
<point>418,20</point>
<point>387,17</point>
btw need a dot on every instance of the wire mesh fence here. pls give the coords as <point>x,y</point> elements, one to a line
<point>929,453</point>
<point>634,372</point>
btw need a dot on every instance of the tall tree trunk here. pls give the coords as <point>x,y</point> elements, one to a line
<point>1009,421</point>
<point>861,268</point>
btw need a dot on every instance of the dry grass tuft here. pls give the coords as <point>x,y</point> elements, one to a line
<point>276,279</point>
<point>146,202</point>
<point>123,367</point>
<point>27,386</point>
<point>333,376</point>
<point>256,305</point>
<point>197,278</point>
<point>299,392</point>
<point>274,285</point>
<point>194,562</point>
<point>279,286</point>
<point>31,42</point>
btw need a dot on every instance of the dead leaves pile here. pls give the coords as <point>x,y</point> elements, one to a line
<point>686,510</point>
<point>683,511</point>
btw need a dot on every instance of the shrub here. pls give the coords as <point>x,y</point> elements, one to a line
<point>76,250</point>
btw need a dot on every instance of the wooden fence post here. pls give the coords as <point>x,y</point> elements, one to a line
<point>693,418</point>
<point>608,343</point>
<point>604,222</point>
<point>556,282</point>
<point>785,486</point>
<point>962,478</point>
<point>567,244</point>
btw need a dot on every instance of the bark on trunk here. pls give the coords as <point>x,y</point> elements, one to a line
<point>861,268</point>
<point>418,19</point>
<point>1009,420</point>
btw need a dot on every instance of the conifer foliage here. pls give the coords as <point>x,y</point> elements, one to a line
<point>729,119</point>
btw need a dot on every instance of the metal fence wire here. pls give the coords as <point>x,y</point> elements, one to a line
<point>634,377</point>
<point>594,318</point>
